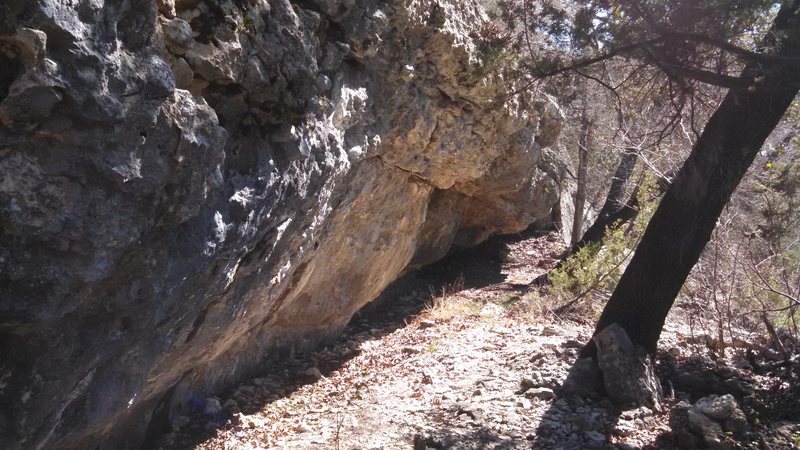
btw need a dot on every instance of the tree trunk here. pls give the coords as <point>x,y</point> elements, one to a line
<point>584,141</point>
<point>615,208</point>
<point>685,218</point>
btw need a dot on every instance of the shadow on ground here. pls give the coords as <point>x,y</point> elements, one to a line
<point>580,418</point>
<point>400,303</point>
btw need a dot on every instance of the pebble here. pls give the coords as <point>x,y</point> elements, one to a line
<point>322,82</point>
<point>423,324</point>
<point>301,428</point>
<point>179,422</point>
<point>637,413</point>
<point>550,331</point>
<point>623,428</point>
<point>314,373</point>
<point>525,384</point>
<point>537,356</point>
<point>586,421</point>
<point>594,439</point>
<point>542,393</point>
<point>212,406</point>
<point>246,390</point>
<point>231,405</point>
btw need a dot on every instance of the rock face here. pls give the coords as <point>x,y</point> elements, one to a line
<point>188,187</point>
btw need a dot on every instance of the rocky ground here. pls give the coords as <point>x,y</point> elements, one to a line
<point>460,356</point>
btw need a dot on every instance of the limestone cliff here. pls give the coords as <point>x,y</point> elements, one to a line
<point>189,187</point>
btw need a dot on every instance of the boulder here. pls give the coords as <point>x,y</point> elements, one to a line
<point>709,422</point>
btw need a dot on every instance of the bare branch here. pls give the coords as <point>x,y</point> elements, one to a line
<point>618,101</point>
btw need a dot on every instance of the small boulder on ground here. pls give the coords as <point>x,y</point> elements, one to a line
<point>709,422</point>
<point>717,407</point>
<point>628,374</point>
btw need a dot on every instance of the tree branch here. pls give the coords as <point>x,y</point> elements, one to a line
<point>594,60</point>
<point>674,69</point>
<point>712,78</point>
<point>730,48</point>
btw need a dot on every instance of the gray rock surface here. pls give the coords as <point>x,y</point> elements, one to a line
<point>701,376</point>
<point>710,416</point>
<point>628,374</point>
<point>711,422</point>
<point>709,430</point>
<point>183,195</point>
<point>717,407</point>
<point>541,393</point>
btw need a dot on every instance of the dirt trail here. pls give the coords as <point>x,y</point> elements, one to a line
<point>454,356</point>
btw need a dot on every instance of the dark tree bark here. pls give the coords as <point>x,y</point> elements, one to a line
<point>686,216</point>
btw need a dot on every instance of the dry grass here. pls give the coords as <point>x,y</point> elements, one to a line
<point>447,303</point>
